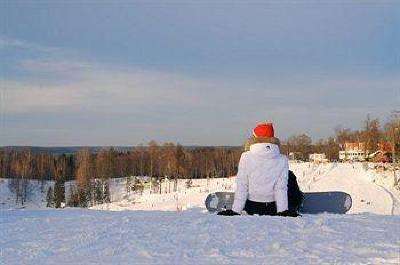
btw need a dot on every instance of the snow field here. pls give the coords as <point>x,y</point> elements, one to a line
<point>80,236</point>
<point>175,228</point>
<point>371,191</point>
<point>36,199</point>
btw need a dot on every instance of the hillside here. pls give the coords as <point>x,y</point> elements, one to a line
<point>148,229</point>
<point>78,236</point>
<point>372,190</point>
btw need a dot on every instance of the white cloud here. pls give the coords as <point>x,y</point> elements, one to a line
<point>19,97</point>
<point>54,66</point>
<point>6,42</point>
<point>82,84</point>
<point>168,106</point>
<point>93,87</point>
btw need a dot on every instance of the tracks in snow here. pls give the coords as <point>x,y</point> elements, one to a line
<point>351,178</point>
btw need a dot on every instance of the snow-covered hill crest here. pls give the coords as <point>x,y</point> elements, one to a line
<point>372,190</point>
<point>79,236</point>
<point>174,227</point>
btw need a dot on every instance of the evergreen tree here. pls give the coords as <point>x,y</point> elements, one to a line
<point>98,192</point>
<point>59,192</point>
<point>73,200</point>
<point>106,193</point>
<point>50,198</point>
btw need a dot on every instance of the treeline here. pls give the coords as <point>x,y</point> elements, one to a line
<point>176,161</point>
<point>153,160</point>
<point>23,166</point>
<point>92,170</point>
<point>373,133</point>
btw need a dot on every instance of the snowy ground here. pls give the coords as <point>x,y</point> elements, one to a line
<point>372,191</point>
<point>37,195</point>
<point>174,228</point>
<point>77,236</point>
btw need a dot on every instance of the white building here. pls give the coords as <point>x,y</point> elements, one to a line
<point>318,158</point>
<point>352,155</point>
<point>295,156</point>
<point>353,151</point>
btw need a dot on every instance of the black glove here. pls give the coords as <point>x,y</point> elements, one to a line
<point>228,213</point>
<point>288,213</point>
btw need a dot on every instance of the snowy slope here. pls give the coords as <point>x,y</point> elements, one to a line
<point>371,191</point>
<point>184,198</point>
<point>355,179</point>
<point>36,198</point>
<point>174,228</point>
<point>78,236</point>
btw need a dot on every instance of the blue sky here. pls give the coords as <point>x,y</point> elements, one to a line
<point>193,72</point>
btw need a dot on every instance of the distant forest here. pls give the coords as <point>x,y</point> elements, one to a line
<point>173,160</point>
<point>96,165</point>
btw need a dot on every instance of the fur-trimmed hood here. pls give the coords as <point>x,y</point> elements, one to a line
<point>257,140</point>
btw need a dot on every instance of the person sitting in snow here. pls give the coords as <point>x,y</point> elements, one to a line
<point>262,178</point>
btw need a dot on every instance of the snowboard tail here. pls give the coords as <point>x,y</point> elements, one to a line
<point>335,202</point>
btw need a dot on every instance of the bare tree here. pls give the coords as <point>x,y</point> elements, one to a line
<point>84,173</point>
<point>300,143</point>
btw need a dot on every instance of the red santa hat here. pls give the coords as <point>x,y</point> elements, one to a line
<point>265,129</point>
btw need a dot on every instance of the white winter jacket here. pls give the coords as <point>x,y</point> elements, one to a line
<point>262,177</point>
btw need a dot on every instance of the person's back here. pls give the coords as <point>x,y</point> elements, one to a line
<point>262,178</point>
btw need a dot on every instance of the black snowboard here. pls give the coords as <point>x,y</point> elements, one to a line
<point>336,202</point>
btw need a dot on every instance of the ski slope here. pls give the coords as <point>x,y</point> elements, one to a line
<point>372,191</point>
<point>79,236</point>
<point>351,178</point>
<point>174,227</point>
<point>361,182</point>
<point>37,195</point>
